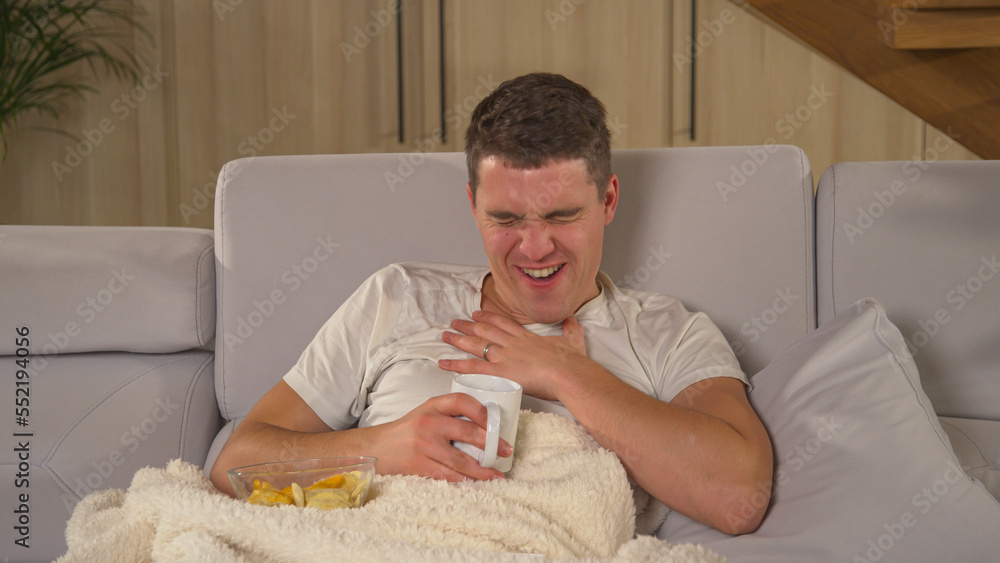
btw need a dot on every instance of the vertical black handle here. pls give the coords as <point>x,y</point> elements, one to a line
<point>399,72</point>
<point>444,128</point>
<point>694,61</point>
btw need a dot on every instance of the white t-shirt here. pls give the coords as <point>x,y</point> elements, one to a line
<point>375,359</point>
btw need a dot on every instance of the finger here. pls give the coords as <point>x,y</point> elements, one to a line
<point>438,470</point>
<point>573,331</point>
<point>451,464</point>
<point>472,431</point>
<point>480,330</point>
<point>461,404</point>
<point>474,345</point>
<point>502,322</point>
<point>470,366</point>
<point>466,466</point>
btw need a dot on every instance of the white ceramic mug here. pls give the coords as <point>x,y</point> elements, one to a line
<point>502,399</point>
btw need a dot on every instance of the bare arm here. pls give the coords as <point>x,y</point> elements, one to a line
<point>705,454</point>
<point>283,426</point>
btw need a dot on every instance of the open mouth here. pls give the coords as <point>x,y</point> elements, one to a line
<point>543,273</point>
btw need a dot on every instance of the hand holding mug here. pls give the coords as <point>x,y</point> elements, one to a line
<point>502,399</point>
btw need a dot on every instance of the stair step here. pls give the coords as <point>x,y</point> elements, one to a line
<point>903,26</point>
<point>941,4</point>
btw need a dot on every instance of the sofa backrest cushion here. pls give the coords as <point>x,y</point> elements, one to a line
<point>726,230</point>
<point>105,289</point>
<point>923,239</point>
<point>76,304</point>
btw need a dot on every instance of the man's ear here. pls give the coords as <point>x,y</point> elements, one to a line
<point>472,200</point>
<point>610,199</point>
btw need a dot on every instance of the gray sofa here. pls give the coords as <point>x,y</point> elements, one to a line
<point>146,344</point>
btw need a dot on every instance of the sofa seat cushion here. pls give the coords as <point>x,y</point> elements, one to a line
<point>92,421</point>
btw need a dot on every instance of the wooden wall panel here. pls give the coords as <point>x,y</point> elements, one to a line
<point>618,50</point>
<point>279,77</point>
<point>235,78</point>
<point>116,173</point>
<point>757,85</point>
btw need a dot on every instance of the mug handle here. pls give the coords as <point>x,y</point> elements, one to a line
<point>492,434</point>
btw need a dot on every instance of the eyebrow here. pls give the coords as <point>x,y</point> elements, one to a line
<point>561,213</point>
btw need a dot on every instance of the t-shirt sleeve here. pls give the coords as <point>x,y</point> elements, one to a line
<point>334,372</point>
<point>695,351</point>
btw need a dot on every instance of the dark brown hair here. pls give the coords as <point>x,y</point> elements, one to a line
<point>533,119</point>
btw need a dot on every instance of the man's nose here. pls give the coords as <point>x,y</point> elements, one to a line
<point>536,241</point>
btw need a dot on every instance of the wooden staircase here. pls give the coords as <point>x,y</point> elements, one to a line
<point>939,59</point>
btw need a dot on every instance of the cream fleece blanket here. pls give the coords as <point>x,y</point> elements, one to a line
<point>564,498</point>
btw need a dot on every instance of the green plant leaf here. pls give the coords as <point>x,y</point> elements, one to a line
<point>53,52</point>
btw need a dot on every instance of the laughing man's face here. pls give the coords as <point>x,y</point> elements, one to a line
<point>543,231</point>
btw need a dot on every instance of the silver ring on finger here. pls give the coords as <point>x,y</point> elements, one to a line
<point>486,350</point>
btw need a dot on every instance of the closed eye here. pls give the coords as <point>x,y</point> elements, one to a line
<point>507,218</point>
<point>503,218</point>
<point>564,215</point>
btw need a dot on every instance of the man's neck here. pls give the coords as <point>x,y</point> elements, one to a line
<point>492,302</point>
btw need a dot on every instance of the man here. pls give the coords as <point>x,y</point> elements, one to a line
<point>652,382</point>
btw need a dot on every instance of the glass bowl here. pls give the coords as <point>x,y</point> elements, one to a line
<point>324,483</point>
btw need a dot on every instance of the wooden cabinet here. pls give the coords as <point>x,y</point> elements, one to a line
<point>620,50</point>
<point>292,77</point>
<point>235,78</point>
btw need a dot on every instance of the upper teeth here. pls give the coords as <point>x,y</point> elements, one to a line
<point>541,273</point>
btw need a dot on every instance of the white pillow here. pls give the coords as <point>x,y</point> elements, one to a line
<point>863,470</point>
<point>977,446</point>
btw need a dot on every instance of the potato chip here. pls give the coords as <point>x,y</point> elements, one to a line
<point>267,495</point>
<point>327,499</point>
<point>337,491</point>
<point>298,496</point>
<point>329,483</point>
